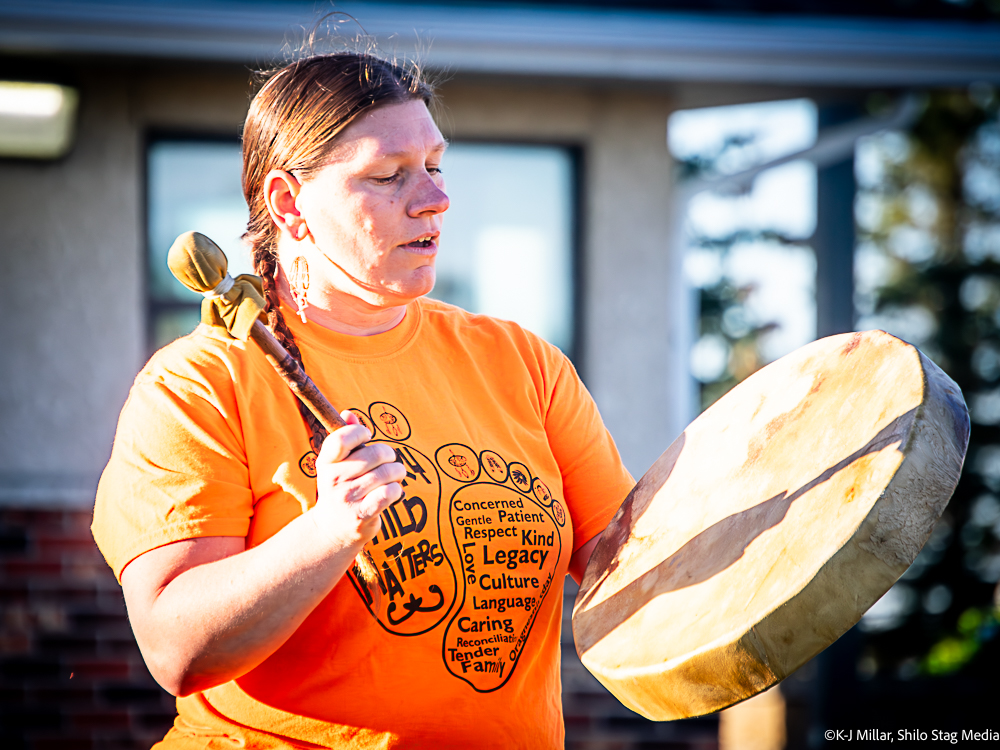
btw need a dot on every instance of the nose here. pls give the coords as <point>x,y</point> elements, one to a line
<point>429,198</point>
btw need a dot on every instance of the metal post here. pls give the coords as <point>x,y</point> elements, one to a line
<point>834,237</point>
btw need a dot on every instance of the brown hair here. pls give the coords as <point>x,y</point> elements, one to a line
<point>293,124</point>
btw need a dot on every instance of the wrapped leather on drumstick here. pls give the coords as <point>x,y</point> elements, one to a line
<point>235,305</point>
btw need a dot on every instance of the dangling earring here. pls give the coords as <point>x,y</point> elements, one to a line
<point>298,280</point>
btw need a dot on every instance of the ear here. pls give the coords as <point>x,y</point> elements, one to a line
<point>280,192</point>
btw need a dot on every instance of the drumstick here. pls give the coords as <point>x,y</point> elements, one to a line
<point>201,265</point>
<point>292,373</point>
<point>188,259</point>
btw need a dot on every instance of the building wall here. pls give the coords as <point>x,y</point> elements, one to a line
<point>71,675</point>
<point>71,290</point>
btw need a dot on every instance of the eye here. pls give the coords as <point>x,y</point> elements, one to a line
<point>385,180</point>
<point>435,170</point>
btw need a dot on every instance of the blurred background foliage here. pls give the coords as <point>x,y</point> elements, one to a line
<point>726,323</point>
<point>927,269</point>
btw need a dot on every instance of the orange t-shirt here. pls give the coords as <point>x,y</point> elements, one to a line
<point>509,471</point>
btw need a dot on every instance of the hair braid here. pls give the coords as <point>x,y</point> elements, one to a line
<point>265,263</point>
<point>293,123</point>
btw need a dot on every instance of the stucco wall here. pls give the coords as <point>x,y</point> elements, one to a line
<point>73,278</point>
<point>71,288</point>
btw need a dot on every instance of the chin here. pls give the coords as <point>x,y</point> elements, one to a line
<point>402,293</point>
<point>420,284</point>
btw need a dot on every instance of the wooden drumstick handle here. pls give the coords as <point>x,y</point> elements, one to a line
<point>292,373</point>
<point>201,265</point>
<point>305,389</point>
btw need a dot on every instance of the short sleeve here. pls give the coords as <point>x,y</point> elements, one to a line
<point>595,482</point>
<point>178,468</point>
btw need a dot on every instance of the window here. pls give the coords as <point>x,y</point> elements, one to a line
<point>746,250</point>
<point>192,185</point>
<point>506,248</point>
<point>507,243</point>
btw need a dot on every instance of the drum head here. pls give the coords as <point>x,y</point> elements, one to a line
<point>771,525</point>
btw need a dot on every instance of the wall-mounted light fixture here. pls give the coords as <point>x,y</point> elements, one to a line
<point>37,120</point>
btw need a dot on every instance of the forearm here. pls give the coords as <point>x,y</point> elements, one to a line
<point>205,611</point>
<point>219,619</point>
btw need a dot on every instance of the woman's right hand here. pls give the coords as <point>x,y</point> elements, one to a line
<point>207,610</point>
<point>355,482</point>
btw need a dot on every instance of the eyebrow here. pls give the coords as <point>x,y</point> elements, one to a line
<point>439,148</point>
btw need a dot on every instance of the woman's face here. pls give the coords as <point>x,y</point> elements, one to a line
<point>375,210</point>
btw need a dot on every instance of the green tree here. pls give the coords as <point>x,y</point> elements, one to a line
<point>731,334</point>
<point>928,270</point>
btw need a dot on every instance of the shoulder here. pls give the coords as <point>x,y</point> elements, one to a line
<point>495,335</point>
<point>204,363</point>
<point>500,352</point>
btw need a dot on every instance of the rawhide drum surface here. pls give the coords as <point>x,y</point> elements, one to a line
<point>771,525</point>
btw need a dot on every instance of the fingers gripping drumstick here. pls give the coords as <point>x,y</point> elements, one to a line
<point>201,266</point>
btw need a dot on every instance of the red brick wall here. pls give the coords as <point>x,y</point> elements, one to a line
<point>71,677</point>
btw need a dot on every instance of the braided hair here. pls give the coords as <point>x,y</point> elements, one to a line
<point>292,125</point>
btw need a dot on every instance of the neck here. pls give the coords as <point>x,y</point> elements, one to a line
<point>342,312</point>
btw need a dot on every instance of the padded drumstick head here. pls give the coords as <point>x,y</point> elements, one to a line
<point>197,262</point>
<point>200,265</point>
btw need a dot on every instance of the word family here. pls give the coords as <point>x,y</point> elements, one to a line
<point>478,660</point>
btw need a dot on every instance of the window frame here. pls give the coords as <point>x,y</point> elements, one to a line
<point>576,152</point>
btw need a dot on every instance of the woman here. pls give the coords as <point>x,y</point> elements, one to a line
<point>233,539</point>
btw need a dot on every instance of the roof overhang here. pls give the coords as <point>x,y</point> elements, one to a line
<point>530,41</point>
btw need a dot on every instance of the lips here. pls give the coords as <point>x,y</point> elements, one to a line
<point>425,244</point>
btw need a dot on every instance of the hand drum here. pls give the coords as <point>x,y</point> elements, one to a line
<point>771,525</point>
